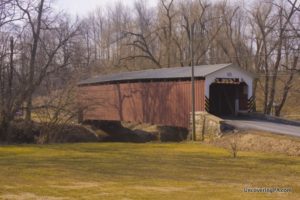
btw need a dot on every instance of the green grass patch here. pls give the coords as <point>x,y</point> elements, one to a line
<point>142,171</point>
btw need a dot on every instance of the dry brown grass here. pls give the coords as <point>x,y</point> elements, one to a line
<point>110,171</point>
<point>261,142</point>
<point>291,109</point>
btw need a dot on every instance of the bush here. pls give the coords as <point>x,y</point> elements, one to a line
<point>40,133</point>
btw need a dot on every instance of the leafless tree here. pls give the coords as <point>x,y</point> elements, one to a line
<point>167,27</point>
<point>273,21</point>
<point>38,44</point>
<point>48,36</point>
<point>34,53</point>
<point>7,16</point>
<point>143,37</point>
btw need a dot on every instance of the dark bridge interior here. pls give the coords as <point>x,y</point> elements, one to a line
<point>222,100</point>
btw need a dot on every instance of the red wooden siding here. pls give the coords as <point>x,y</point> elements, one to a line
<point>162,103</point>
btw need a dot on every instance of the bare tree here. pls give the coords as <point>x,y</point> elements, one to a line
<point>36,30</point>
<point>47,26</point>
<point>37,44</point>
<point>273,21</point>
<point>167,27</point>
<point>34,53</point>
<point>201,27</point>
<point>143,38</point>
<point>7,16</point>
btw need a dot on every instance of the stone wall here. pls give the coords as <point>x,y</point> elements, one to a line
<point>208,126</point>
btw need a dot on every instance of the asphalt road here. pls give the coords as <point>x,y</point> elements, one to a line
<point>261,125</point>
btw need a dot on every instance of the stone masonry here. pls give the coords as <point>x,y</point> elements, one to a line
<point>208,126</point>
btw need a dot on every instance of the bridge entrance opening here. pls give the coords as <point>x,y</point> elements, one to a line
<point>228,97</point>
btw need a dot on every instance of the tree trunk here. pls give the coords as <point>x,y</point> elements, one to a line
<point>254,95</point>
<point>5,127</point>
<point>287,87</point>
<point>266,93</point>
<point>36,37</point>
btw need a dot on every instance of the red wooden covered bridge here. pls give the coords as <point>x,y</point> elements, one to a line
<point>164,96</point>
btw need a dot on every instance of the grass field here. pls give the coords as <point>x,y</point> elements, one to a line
<point>142,171</point>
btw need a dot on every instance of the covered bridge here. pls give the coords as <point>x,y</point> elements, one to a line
<point>164,96</point>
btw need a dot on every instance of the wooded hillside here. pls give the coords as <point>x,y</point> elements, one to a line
<point>43,52</point>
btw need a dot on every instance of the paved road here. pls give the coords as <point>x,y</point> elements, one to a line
<point>253,124</point>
